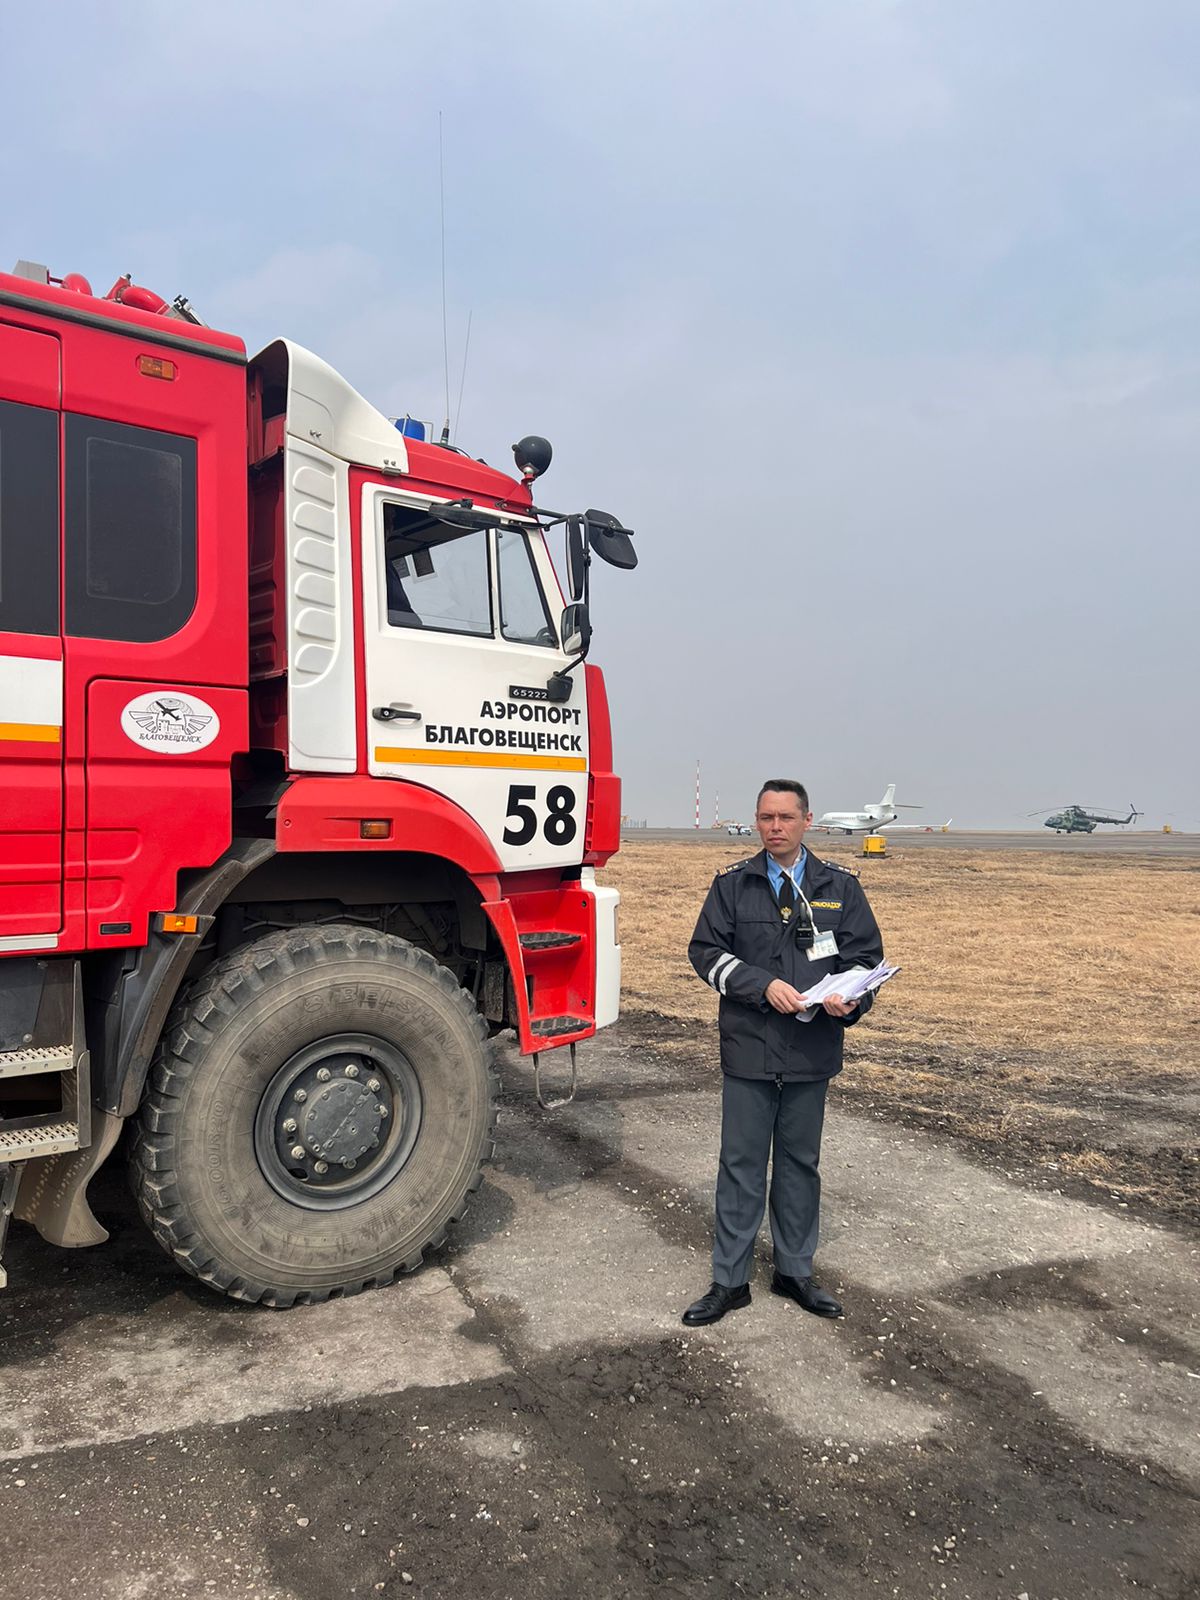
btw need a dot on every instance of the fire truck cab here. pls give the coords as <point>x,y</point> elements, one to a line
<point>303,786</point>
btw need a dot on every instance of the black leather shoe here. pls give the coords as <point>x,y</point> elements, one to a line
<point>808,1294</point>
<point>711,1307</point>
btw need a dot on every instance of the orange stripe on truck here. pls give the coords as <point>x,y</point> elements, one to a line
<point>426,757</point>
<point>30,732</point>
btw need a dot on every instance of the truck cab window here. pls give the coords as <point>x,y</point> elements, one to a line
<point>28,519</point>
<point>435,578</point>
<point>524,617</point>
<point>131,531</point>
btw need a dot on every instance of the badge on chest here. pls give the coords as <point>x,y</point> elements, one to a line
<point>824,946</point>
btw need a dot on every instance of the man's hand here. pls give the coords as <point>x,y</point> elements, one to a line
<point>836,1006</point>
<point>784,998</point>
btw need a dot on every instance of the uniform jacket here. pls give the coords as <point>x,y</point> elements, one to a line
<point>741,943</point>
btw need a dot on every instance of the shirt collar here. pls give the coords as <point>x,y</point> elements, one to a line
<point>796,873</point>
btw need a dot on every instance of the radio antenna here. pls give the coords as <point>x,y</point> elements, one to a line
<point>445,337</point>
<point>462,382</point>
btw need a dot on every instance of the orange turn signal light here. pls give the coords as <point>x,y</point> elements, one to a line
<point>156,367</point>
<point>177,922</point>
<point>375,828</point>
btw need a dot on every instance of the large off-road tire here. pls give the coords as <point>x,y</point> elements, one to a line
<point>320,1040</point>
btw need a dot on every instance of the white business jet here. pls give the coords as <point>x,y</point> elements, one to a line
<point>871,818</point>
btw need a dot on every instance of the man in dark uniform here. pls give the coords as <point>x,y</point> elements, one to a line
<point>770,927</point>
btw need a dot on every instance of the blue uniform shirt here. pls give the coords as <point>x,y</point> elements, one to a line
<point>775,872</point>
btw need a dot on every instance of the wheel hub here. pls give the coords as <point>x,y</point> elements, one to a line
<point>338,1121</point>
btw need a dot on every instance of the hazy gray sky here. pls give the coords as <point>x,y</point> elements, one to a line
<point>879,321</point>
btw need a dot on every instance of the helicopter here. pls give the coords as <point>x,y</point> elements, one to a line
<point>1078,819</point>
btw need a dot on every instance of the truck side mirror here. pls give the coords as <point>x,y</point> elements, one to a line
<point>576,629</point>
<point>610,541</point>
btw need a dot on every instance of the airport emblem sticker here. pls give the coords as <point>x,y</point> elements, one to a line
<point>170,725</point>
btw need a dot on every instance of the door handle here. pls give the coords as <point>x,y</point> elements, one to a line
<point>400,712</point>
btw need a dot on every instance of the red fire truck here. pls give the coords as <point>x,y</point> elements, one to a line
<point>303,786</point>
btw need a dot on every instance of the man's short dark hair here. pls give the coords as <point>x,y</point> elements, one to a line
<point>785,786</point>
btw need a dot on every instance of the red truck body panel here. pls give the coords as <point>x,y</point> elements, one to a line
<point>129,819</point>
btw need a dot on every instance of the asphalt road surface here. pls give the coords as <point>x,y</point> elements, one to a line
<point>1007,1412</point>
<point>1117,842</point>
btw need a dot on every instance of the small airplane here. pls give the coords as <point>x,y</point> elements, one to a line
<point>871,818</point>
<point>1078,819</point>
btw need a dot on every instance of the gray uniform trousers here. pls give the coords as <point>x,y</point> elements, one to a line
<point>756,1112</point>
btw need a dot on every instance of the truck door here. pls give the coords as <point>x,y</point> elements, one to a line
<point>31,657</point>
<point>461,638</point>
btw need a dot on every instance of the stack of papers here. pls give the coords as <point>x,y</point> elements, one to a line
<point>850,985</point>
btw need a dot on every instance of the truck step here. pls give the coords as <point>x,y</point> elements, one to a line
<point>548,939</point>
<point>51,1139</point>
<point>552,1027</point>
<point>20,1063</point>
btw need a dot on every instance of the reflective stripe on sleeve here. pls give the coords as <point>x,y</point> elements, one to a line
<point>719,976</point>
<point>720,966</point>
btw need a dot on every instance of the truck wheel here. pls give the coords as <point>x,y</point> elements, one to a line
<point>318,1111</point>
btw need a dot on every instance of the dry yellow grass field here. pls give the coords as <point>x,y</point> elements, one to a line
<point>1044,997</point>
<point>1025,949</point>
